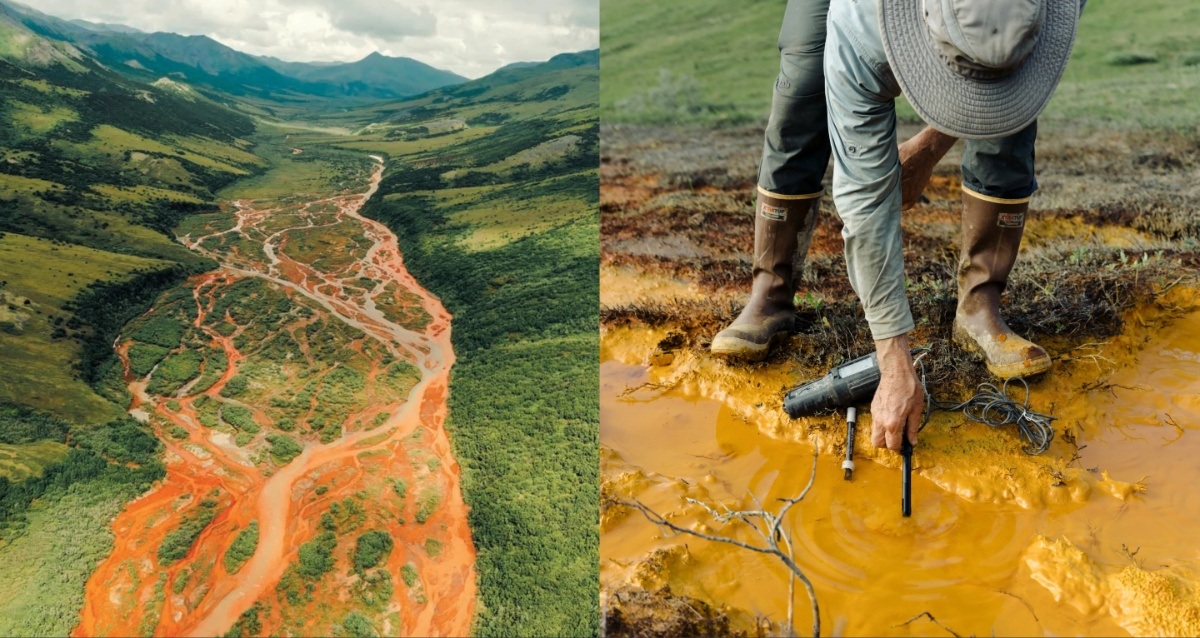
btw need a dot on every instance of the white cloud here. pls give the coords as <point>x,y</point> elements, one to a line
<point>382,18</point>
<point>469,37</point>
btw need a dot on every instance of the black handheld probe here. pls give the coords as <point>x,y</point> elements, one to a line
<point>848,386</point>
<point>853,383</point>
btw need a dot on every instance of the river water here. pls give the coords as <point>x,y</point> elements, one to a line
<point>1104,559</point>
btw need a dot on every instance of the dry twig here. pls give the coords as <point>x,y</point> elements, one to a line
<point>926,614</point>
<point>770,528</point>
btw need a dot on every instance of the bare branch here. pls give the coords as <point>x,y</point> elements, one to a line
<point>775,532</point>
<point>1172,285</point>
<point>926,614</point>
<point>1023,602</point>
<point>645,386</point>
<point>812,477</point>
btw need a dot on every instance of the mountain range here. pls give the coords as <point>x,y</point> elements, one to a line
<point>202,61</point>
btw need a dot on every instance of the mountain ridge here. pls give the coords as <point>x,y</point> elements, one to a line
<point>202,60</point>
<point>103,27</point>
<point>403,76</point>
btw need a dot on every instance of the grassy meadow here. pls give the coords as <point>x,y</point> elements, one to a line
<point>40,278</point>
<point>1134,65</point>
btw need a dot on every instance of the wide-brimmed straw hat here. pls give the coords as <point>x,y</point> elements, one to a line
<point>978,68</point>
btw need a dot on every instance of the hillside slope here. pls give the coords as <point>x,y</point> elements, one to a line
<point>95,170</point>
<point>94,160</point>
<point>563,82</point>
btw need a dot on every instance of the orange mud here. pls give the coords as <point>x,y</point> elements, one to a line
<point>131,594</point>
<point>1096,537</point>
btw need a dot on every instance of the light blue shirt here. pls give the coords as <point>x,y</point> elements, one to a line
<point>860,91</point>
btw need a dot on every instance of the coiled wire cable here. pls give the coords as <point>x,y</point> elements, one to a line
<point>994,406</point>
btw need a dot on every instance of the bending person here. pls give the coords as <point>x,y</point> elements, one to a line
<point>794,158</point>
<point>972,69</point>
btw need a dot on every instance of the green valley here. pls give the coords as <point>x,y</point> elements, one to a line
<point>192,310</point>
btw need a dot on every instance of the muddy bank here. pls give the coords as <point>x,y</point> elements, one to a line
<point>1112,299</point>
<point>1109,230</point>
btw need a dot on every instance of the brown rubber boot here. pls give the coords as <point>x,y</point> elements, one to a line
<point>782,231</point>
<point>991,235</point>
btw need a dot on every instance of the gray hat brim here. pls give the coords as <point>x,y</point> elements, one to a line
<point>972,108</point>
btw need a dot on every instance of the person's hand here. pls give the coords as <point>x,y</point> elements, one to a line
<point>899,401</point>
<point>918,156</point>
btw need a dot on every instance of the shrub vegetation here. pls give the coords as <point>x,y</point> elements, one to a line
<point>177,543</point>
<point>371,548</point>
<point>242,548</point>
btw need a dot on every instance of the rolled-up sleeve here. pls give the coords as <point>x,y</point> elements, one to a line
<point>860,94</point>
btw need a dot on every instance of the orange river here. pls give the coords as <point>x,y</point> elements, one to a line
<point>119,598</point>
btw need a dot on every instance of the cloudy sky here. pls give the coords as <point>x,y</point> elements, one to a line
<point>469,37</point>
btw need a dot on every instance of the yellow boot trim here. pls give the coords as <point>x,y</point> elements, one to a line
<point>997,200</point>
<point>790,197</point>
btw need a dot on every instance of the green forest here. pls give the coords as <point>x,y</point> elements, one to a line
<point>524,398</point>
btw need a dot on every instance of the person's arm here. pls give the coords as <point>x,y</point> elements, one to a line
<point>867,194</point>
<point>918,155</point>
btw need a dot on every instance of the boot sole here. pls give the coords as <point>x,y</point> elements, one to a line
<point>734,348</point>
<point>1023,369</point>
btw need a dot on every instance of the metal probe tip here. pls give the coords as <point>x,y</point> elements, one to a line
<point>851,421</point>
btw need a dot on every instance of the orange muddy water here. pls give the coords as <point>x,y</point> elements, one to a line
<point>130,593</point>
<point>1097,538</point>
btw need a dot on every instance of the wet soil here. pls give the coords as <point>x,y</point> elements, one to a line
<point>1091,538</point>
<point>130,593</point>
